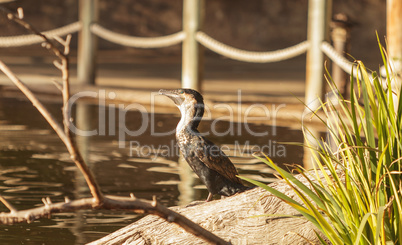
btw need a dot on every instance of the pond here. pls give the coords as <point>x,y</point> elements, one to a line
<point>127,155</point>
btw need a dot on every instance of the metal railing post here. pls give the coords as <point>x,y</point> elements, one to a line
<point>193,11</point>
<point>317,32</point>
<point>87,42</point>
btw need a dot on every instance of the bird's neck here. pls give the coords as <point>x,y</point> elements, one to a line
<point>190,118</point>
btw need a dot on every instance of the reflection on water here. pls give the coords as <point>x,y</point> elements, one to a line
<point>34,164</point>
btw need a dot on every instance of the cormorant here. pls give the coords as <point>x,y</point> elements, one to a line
<point>206,159</point>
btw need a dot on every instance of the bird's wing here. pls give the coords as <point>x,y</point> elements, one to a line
<point>213,157</point>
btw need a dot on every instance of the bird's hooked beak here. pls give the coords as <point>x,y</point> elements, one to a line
<point>173,95</point>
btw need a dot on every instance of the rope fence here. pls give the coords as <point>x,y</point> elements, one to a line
<point>177,38</point>
<point>197,37</point>
<point>338,58</point>
<point>346,65</point>
<point>192,38</point>
<point>25,40</point>
<point>137,42</point>
<point>250,56</point>
<point>166,41</point>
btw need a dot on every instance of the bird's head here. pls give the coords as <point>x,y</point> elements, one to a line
<point>180,96</point>
<point>183,96</point>
<point>189,101</point>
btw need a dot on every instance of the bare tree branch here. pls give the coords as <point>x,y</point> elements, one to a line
<point>64,133</point>
<point>98,201</point>
<point>7,204</point>
<point>111,203</point>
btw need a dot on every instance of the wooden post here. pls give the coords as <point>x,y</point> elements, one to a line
<point>193,11</point>
<point>340,35</point>
<point>317,32</point>
<point>185,186</point>
<point>394,35</point>
<point>87,42</point>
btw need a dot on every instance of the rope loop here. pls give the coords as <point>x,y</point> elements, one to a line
<point>137,42</point>
<point>24,40</point>
<point>250,56</point>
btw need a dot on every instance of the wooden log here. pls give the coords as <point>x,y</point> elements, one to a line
<point>240,219</point>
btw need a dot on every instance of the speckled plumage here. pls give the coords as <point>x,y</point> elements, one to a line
<point>206,159</point>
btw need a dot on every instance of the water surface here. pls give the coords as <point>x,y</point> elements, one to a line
<point>35,164</point>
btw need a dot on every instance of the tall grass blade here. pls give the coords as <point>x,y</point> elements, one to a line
<point>353,194</point>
